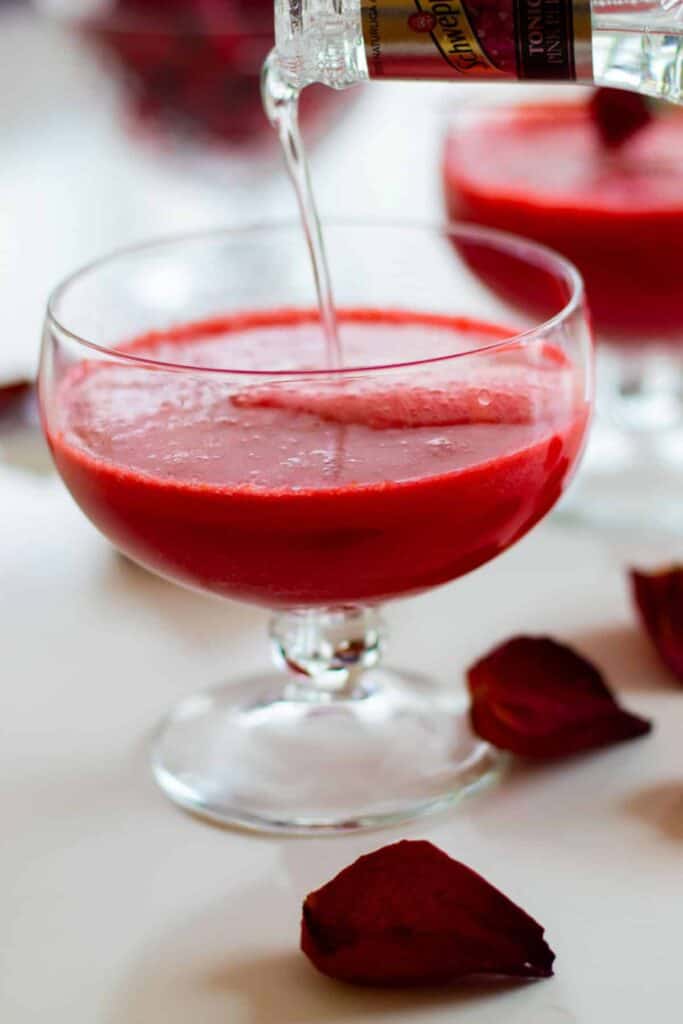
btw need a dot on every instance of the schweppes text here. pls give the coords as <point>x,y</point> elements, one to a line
<point>535,39</point>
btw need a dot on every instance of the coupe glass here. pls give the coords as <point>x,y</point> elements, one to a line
<point>539,168</point>
<point>189,410</point>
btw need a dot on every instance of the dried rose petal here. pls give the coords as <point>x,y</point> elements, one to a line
<point>659,599</point>
<point>409,915</point>
<point>539,699</point>
<point>14,397</point>
<point>618,115</point>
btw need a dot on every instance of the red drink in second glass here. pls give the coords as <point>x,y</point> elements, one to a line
<point>319,493</point>
<point>542,172</point>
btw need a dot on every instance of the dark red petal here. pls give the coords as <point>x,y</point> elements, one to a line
<point>659,599</point>
<point>409,915</point>
<point>540,699</point>
<point>618,115</point>
<point>13,398</point>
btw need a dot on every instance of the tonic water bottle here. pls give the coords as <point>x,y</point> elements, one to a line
<point>628,44</point>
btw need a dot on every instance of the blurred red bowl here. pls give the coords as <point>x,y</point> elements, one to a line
<point>190,69</point>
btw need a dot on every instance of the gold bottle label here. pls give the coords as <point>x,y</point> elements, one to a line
<point>489,39</point>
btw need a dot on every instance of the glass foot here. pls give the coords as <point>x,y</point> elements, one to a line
<point>252,755</point>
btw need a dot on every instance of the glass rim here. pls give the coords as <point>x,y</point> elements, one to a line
<point>484,109</point>
<point>485,101</point>
<point>514,244</point>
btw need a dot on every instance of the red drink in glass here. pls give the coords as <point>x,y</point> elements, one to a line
<point>314,494</point>
<point>192,413</point>
<point>541,171</point>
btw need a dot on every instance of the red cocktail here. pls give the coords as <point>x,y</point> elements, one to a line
<point>303,494</point>
<point>543,171</point>
<point>218,451</point>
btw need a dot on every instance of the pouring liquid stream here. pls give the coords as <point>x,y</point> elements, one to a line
<point>281,104</point>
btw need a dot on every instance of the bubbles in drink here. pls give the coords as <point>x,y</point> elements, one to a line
<point>440,445</point>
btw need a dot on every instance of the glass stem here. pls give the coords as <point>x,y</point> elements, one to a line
<point>643,391</point>
<point>326,651</point>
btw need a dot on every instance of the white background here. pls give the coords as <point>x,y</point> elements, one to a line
<point>117,909</point>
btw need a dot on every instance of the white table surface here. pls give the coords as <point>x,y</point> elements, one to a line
<point>116,908</point>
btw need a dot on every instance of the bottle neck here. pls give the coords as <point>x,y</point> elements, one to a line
<point>320,41</point>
